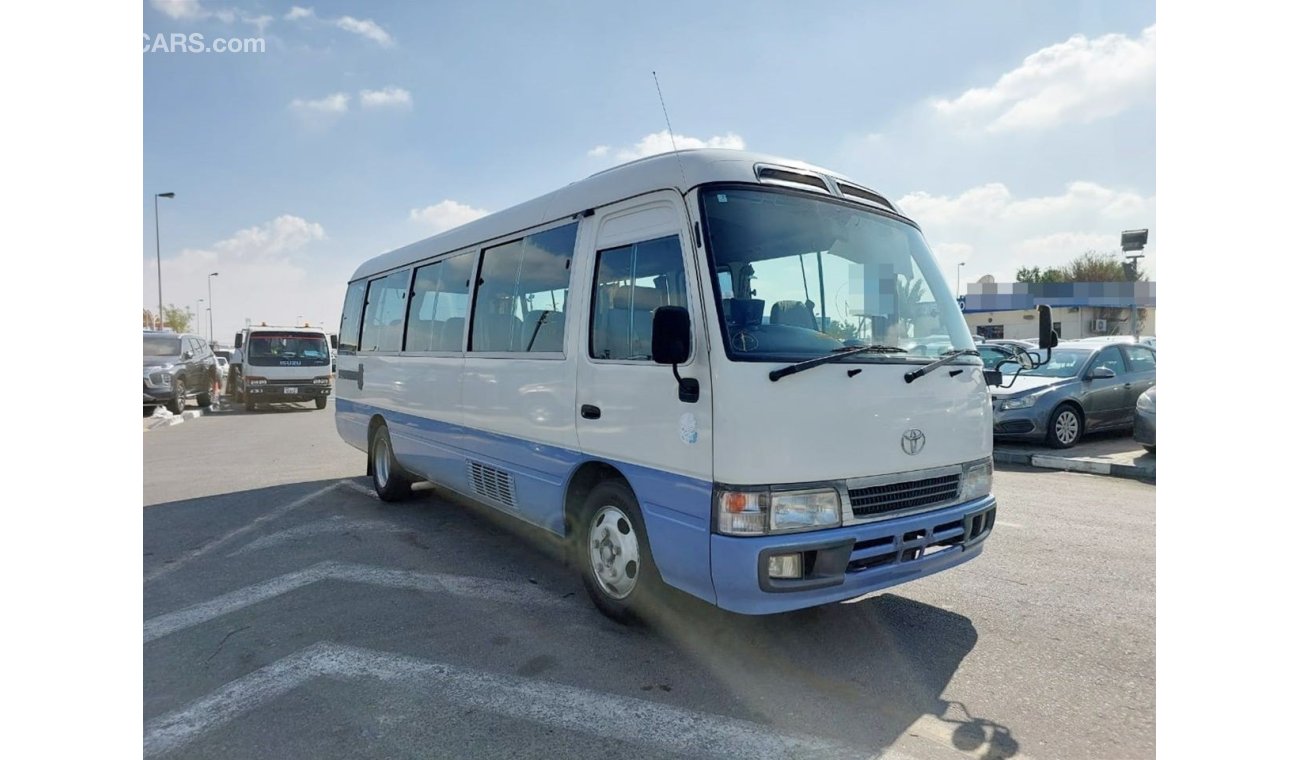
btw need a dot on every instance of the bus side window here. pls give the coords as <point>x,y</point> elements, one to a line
<point>631,282</point>
<point>350,326</point>
<point>381,328</point>
<point>523,286</point>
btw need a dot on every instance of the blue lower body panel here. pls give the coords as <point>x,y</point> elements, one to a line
<point>844,563</point>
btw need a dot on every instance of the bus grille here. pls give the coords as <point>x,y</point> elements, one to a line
<point>491,483</point>
<point>908,495</point>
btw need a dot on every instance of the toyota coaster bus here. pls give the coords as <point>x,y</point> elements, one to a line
<point>694,367</point>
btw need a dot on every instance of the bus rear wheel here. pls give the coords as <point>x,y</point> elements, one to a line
<point>320,402</point>
<point>390,480</point>
<point>613,553</point>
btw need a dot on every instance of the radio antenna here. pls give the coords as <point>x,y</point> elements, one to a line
<point>672,139</point>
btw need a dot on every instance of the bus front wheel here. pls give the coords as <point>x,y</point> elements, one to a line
<point>614,553</point>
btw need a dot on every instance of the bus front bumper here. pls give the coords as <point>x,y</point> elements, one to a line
<point>844,563</point>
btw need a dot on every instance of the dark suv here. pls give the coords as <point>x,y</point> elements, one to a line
<point>176,370</point>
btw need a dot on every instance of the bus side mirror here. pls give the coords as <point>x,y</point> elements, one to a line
<point>1047,337</point>
<point>670,343</point>
<point>334,342</point>
<point>239,340</point>
<point>670,337</point>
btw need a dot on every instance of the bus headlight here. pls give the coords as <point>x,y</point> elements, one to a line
<point>762,511</point>
<point>804,510</point>
<point>322,380</point>
<point>977,479</point>
<point>255,380</point>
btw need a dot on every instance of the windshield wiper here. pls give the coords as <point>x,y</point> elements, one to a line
<point>839,353</point>
<point>948,358</point>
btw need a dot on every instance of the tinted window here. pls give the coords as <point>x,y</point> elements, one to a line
<point>381,328</point>
<point>1141,359</point>
<point>159,345</point>
<point>439,303</point>
<point>631,282</point>
<point>1110,358</point>
<point>350,326</point>
<point>522,292</point>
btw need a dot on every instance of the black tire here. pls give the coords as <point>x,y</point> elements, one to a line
<point>1150,449</point>
<point>1064,427</point>
<point>320,402</point>
<point>149,409</point>
<point>177,405</point>
<point>250,405</point>
<point>609,518</point>
<point>205,400</point>
<point>389,479</point>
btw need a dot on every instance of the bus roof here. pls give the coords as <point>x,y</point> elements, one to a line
<point>682,171</point>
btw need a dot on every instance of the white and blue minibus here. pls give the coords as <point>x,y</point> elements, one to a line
<point>702,369</point>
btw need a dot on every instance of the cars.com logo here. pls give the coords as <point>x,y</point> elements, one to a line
<point>177,42</point>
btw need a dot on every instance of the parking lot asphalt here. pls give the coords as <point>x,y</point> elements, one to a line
<point>290,613</point>
<point>1113,453</point>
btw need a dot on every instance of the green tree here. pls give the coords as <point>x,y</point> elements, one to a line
<point>840,330</point>
<point>176,318</point>
<point>1090,266</point>
<point>1036,275</point>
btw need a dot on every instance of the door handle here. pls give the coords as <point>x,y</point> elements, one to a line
<point>590,412</point>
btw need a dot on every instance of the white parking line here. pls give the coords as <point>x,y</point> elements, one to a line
<point>456,585</point>
<point>546,703</point>
<point>162,570</point>
<point>335,524</point>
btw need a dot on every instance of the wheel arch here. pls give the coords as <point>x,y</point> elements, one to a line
<point>582,480</point>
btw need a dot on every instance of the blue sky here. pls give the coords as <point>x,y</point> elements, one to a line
<point>1014,132</point>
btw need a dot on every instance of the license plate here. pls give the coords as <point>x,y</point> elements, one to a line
<point>289,391</point>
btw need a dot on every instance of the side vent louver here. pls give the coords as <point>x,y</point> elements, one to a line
<point>491,483</point>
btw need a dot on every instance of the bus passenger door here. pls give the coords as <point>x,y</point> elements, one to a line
<point>631,413</point>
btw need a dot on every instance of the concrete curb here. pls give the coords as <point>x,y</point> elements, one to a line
<point>1076,464</point>
<point>175,419</point>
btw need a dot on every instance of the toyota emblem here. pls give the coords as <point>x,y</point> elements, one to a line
<point>913,441</point>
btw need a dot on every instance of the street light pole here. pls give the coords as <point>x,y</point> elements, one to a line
<point>198,314</point>
<point>211,335</point>
<point>959,266</point>
<point>158,252</point>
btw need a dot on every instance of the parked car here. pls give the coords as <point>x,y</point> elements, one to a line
<point>176,370</point>
<point>1085,387</point>
<point>223,366</point>
<point>1028,345</point>
<point>1144,420</point>
<point>996,355</point>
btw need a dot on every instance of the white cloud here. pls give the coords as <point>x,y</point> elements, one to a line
<point>181,10</point>
<point>270,272</point>
<point>389,97</point>
<point>661,142</point>
<point>1079,80</point>
<point>446,215</point>
<point>261,22</point>
<point>330,104</point>
<point>997,233</point>
<point>297,13</point>
<point>367,28</point>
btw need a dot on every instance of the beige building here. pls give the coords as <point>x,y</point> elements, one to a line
<point>1079,310</point>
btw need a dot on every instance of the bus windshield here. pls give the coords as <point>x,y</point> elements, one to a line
<point>798,277</point>
<point>288,350</point>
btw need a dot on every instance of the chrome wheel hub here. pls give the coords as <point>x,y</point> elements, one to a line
<point>615,552</point>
